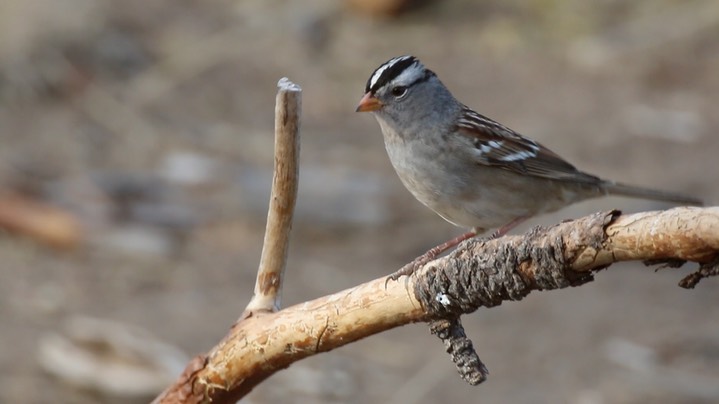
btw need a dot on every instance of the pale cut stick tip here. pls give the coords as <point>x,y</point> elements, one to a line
<point>287,85</point>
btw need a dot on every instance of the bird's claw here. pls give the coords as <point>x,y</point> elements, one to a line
<point>408,269</point>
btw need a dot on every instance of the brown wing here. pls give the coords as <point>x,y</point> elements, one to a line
<point>501,147</point>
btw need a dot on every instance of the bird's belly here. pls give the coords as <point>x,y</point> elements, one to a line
<point>485,198</point>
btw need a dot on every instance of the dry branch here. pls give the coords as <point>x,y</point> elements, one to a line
<point>479,273</point>
<point>268,286</point>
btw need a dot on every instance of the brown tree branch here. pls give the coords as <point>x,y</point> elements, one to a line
<point>479,273</point>
<point>268,286</point>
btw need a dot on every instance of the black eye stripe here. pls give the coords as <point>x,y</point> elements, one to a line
<point>388,71</point>
<point>426,76</point>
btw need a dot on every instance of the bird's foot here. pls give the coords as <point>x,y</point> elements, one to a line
<point>412,267</point>
<point>430,255</point>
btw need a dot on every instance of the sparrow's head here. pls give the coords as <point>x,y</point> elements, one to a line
<point>394,83</point>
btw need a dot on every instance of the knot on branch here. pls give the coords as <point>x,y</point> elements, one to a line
<point>485,272</point>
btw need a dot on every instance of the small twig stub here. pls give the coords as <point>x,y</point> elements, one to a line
<point>460,348</point>
<point>705,271</point>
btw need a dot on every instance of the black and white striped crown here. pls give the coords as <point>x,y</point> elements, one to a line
<point>392,69</point>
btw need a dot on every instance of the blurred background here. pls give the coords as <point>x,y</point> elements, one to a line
<point>136,163</point>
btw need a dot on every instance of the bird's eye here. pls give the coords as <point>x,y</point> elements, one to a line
<point>399,91</point>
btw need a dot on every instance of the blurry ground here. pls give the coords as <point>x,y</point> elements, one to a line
<point>152,123</point>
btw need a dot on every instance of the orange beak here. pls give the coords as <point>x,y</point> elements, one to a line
<point>368,103</point>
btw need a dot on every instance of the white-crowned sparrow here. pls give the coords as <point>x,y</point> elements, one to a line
<point>469,169</point>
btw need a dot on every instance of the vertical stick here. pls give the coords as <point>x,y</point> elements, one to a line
<point>268,286</point>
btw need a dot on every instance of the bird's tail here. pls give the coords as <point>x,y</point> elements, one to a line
<point>617,188</point>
